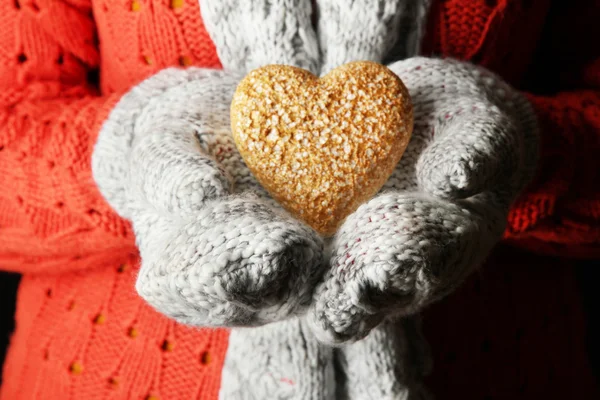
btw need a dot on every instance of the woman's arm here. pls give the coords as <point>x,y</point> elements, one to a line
<point>52,217</point>
<point>559,213</point>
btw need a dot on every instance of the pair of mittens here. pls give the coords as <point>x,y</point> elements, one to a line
<point>216,250</point>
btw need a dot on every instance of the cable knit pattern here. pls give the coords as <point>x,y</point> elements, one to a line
<point>474,147</point>
<point>369,30</point>
<point>254,33</point>
<point>375,42</point>
<point>82,331</point>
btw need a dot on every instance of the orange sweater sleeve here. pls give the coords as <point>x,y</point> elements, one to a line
<point>559,214</point>
<point>52,217</point>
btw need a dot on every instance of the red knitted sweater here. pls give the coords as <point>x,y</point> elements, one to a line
<point>82,333</point>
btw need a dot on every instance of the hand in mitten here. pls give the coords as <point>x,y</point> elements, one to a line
<point>215,249</point>
<point>473,147</point>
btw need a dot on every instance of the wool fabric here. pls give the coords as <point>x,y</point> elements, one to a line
<point>82,332</point>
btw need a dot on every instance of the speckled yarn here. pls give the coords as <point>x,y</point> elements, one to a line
<point>473,148</point>
<point>217,251</point>
<point>82,330</point>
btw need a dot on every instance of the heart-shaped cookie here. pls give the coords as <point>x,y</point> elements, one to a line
<point>322,146</point>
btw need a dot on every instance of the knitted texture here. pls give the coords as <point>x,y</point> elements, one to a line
<point>53,219</point>
<point>474,146</point>
<point>93,338</point>
<point>369,30</point>
<point>254,33</point>
<point>82,332</point>
<point>553,216</point>
<point>276,341</point>
<point>280,361</point>
<point>388,364</point>
<point>207,258</point>
<point>485,149</point>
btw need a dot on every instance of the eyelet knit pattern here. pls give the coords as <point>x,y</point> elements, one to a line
<point>60,81</point>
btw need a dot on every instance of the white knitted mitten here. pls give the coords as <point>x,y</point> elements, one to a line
<point>474,146</point>
<point>388,364</point>
<point>279,361</point>
<point>215,249</point>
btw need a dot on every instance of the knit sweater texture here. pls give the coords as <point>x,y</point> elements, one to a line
<point>82,331</point>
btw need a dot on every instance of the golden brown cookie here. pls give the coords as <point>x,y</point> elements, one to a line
<point>322,146</point>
